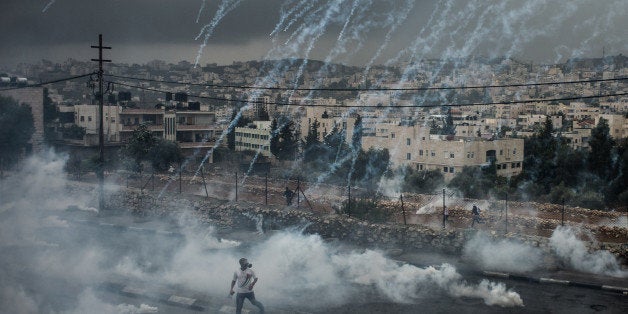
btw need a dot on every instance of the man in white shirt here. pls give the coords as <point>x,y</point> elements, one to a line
<point>246,280</point>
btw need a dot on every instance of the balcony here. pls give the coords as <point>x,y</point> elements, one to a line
<point>133,127</point>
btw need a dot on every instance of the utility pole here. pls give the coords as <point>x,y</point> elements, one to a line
<point>101,137</point>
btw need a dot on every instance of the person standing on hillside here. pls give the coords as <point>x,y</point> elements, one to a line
<point>245,279</point>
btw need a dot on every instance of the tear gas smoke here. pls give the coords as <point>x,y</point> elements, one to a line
<point>503,254</point>
<point>575,254</point>
<point>294,269</point>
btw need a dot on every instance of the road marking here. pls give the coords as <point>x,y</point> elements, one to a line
<point>615,288</point>
<point>495,274</point>
<point>231,309</point>
<point>181,300</point>
<point>556,281</point>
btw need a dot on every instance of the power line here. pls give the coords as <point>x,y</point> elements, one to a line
<point>49,82</point>
<point>371,89</point>
<point>378,106</point>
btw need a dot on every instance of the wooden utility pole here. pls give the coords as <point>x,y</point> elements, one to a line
<point>101,137</point>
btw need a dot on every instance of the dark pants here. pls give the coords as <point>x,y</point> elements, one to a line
<point>249,295</point>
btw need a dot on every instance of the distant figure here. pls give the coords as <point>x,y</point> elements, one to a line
<point>289,195</point>
<point>445,215</point>
<point>246,279</point>
<point>475,211</point>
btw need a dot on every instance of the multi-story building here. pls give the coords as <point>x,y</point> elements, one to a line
<point>414,146</point>
<point>254,137</point>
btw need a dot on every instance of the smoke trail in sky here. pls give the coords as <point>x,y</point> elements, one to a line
<point>225,7</point>
<point>344,27</point>
<point>395,21</point>
<point>198,16</point>
<point>48,6</point>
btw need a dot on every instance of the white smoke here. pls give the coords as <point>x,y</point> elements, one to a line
<point>16,300</point>
<point>574,253</point>
<point>88,302</point>
<point>502,255</point>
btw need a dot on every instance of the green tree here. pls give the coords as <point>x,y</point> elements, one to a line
<point>139,146</point>
<point>312,147</point>
<point>358,131</point>
<point>335,144</point>
<point>241,122</point>
<point>449,128</point>
<point>284,143</point>
<point>601,144</point>
<point>18,128</point>
<point>425,181</point>
<point>164,153</point>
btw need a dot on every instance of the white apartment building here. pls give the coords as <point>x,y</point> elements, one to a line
<point>255,137</point>
<point>414,146</point>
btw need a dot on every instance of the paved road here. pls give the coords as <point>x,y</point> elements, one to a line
<point>55,270</point>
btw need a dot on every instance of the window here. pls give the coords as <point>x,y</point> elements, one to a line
<point>419,167</point>
<point>421,152</point>
<point>423,138</point>
<point>392,135</point>
<point>408,141</point>
<point>113,120</point>
<point>82,118</point>
<point>501,152</point>
<point>451,155</point>
<point>513,165</point>
<point>445,169</point>
<point>451,169</point>
<point>514,151</point>
<point>408,156</point>
<point>499,167</point>
<point>433,153</point>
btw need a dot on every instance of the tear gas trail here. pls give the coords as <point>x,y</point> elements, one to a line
<point>574,253</point>
<point>302,7</point>
<point>225,7</point>
<point>395,22</point>
<point>198,16</point>
<point>344,27</point>
<point>48,6</point>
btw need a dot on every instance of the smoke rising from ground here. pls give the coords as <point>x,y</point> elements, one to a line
<point>503,254</point>
<point>574,253</point>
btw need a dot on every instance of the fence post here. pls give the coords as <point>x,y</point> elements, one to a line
<point>204,182</point>
<point>506,212</point>
<point>403,210</point>
<point>266,189</point>
<point>180,179</point>
<point>236,186</point>
<point>298,195</point>
<point>349,200</point>
<point>562,215</point>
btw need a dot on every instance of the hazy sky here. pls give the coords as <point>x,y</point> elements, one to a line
<point>351,31</point>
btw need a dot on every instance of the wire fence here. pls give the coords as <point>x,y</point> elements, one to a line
<point>497,216</point>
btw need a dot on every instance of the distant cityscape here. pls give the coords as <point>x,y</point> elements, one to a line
<point>403,108</point>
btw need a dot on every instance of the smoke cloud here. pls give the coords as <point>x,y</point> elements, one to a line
<point>574,253</point>
<point>502,255</point>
